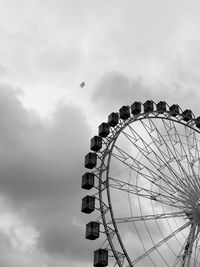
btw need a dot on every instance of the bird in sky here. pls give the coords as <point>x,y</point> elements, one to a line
<point>82,84</point>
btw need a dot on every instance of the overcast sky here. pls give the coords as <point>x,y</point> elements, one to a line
<point>124,50</point>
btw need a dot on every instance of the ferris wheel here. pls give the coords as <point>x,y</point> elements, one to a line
<point>144,182</point>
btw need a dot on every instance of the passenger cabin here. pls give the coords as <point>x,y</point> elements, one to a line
<point>174,110</point>
<point>92,230</point>
<point>96,143</point>
<point>88,204</point>
<point>161,106</point>
<point>113,119</point>
<point>101,257</point>
<point>104,129</point>
<point>136,108</point>
<point>87,180</point>
<point>187,115</point>
<point>148,106</point>
<point>197,122</point>
<point>90,160</point>
<point>124,112</point>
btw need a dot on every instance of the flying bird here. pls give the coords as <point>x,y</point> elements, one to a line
<point>82,84</point>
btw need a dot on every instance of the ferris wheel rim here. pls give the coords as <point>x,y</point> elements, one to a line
<point>111,143</point>
<point>165,180</point>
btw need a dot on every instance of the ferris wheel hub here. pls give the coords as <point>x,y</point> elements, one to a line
<point>194,214</point>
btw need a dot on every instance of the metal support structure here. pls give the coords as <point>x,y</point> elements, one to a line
<point>166,174</point>
<point>188,247</point>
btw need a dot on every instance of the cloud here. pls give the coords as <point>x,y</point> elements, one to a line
<point>10,256</point>
<point>40,169</point>
<point>116,89</point>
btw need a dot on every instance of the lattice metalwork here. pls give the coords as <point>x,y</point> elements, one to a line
<point>146,168</point>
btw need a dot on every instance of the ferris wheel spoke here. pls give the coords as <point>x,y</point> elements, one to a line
<point>150,217</point>
<point>179,155</point>
<point>192,143</point>
<point>167,221</point>
<point>171,155</point>
<point>167,199</point>
<point>181,176</point>
<point>147,173</point>
<point>179,147</point>
<point>189,244</point>
<point>189,185</point>
<point>160,243</point>
<point>194,259</point>
<point>193,150</point>
<point>182,145</point>
<point>157,163</point>
<point>196,253</point>
<point>185,183</point>
<point>190,180</point>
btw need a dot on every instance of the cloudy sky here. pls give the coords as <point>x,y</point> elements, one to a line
<point>124,51</point>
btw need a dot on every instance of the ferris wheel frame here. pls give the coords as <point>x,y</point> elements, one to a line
<point>109,133</point>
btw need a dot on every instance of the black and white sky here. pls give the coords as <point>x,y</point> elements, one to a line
<point>123,51</point>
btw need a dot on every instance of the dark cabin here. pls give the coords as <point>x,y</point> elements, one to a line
<point>174,110</point>
<point>136,108</point>
<point>101,257</point>
<point>161,106</point>
<point>92,230</point>
<point>124,112</point>
<point>113,119</point>
<point>96,143</point>
<point>88,204</point>
<point>187,115</point>
<point>90,160</point>
<point>148,106</point>
<point>104,129</point>
<point>87,180</point>
<point>197,122</point>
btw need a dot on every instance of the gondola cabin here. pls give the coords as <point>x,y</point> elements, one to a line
<point>187,115</point>
<point>92,230</point>
<point>174,110</point>
<point>197,122</point>
<point>101,258</point>
<point>96,143</point>
<point>87,180</point>
<point>148,106</point>
<point>104,129</point>
<point>124,112</point>
<point>161,106</point>
<point>136,108</point>
<point>88,204</point>
<point>90,160</point>
<point>113,119</point>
